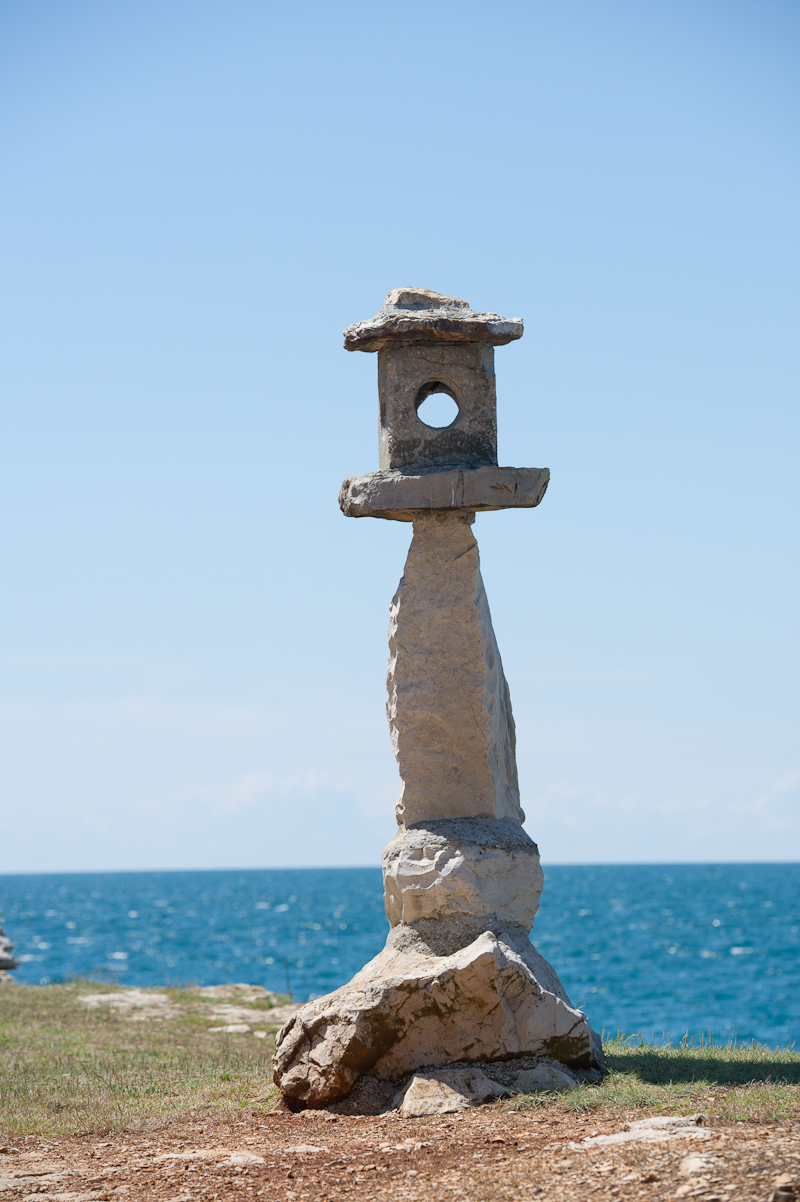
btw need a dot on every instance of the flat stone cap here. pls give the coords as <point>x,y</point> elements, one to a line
<point>419,315</point>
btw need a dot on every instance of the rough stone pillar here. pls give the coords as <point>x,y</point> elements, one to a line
<point>449,709</point>
<point>458,981</point>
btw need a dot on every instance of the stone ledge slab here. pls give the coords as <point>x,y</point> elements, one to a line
<point>399,497</point>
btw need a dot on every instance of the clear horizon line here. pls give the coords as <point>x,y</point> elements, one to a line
<point>376,866</point>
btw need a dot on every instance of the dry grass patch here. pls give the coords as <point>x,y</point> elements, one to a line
<point>68,1069</point>
<point>65,1068</point>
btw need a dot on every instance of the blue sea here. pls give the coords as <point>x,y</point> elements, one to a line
<point>658,948</point>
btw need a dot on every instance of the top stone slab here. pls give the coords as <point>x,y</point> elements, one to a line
<point>419,315</point>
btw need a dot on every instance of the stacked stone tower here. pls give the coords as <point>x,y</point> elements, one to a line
<point>458,982</point>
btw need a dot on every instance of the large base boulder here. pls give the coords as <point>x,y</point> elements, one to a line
<point>492,1000</point>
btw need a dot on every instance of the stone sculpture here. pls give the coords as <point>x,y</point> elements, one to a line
<point>458,981</point>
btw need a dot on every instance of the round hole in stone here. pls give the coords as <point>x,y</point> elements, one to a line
<point>437,410</point>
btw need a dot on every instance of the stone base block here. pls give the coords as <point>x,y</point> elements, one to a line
<point>492,1000</point>
<point>475,866</point>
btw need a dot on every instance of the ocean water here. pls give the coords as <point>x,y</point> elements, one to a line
<point>658,948</point>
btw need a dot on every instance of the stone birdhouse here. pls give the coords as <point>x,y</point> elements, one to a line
<point>428,343</point>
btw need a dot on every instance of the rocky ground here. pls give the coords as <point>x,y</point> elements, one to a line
<point>490,1152</point>
<point>166,1096</point>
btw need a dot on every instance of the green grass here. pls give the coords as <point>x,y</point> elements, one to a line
<point>729,1082</point>
<point>65,1069</point>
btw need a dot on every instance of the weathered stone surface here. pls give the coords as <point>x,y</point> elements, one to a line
<point>237,1157</point>
<point>238,992</point>
<point>661,1128</point>
<point>399,497</point>
<point>478,867</point>
<point>140,1005</point>
<point>545,1077</point>
<point>407,376</point>
<point>404,1011</point>
<point>449,709</point>
<point>227,1012</point>
<point>445,1091</point>
<point>420,315</point>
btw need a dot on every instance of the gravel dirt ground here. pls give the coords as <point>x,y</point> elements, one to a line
<point>488,1153</point>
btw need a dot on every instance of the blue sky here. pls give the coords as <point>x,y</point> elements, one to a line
<point>197,198</point>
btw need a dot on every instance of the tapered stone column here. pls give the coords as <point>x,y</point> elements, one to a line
<point>458,981</point>
<point>449,708</point>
